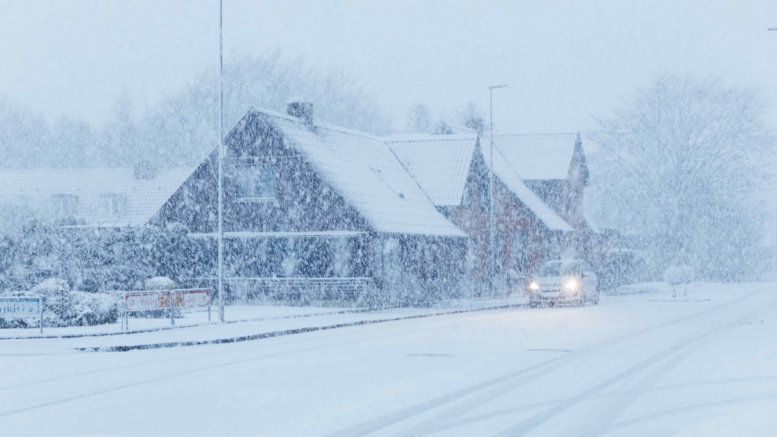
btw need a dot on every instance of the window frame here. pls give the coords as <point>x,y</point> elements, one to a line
<point>239,179</point>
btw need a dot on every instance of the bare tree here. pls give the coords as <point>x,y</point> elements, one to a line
<point>419,119</point>
<point>186,122</point>
<point>23,135</point>
<point>471,116</point>
<point>678,166</point>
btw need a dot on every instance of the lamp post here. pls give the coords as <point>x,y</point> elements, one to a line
<point>775,259</point>
<point>221,169</point>
<point>491,192</point>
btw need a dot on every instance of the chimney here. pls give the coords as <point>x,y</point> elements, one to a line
<point>302,110</point>
<point>145,170</point>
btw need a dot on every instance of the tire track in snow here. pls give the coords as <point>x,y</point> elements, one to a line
<point>687,409</point>
<point>529,373</point>
<point>522,408</point>
<point>247,360</point>
<point>610,409</point>
<point>440,421</point>
<point>528,425</point>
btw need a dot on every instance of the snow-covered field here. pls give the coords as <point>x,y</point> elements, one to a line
<point>641,365</point>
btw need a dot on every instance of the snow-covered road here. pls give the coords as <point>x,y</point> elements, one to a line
<point>705,364</point>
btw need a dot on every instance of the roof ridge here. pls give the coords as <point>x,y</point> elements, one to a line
<point>340,129</point>
<point>419,140</point>
<point>538,134</point>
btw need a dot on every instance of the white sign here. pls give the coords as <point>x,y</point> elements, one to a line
<point>157,300</point>
<point>147,300</point>
<point>12,308</point>
<point>191,298</point>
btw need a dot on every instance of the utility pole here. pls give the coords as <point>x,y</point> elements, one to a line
<point>491,261</point>
<point>221,165</point>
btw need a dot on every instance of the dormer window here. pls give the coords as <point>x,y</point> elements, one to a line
<point>256,183</point>
<point>111,205</point>
<point>63,205</point>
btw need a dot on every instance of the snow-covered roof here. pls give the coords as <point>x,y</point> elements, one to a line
<point>508,175</point>
<point>86,192</point>
<point>539,156</point>
<point>366,172</point>
<point>439,163</point>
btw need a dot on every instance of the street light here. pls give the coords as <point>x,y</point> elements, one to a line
<point>221,165</point>
<point>491,192</point>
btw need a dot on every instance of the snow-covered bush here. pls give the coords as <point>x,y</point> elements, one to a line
<point>687,275</point>
<point>63,307</point>
<point>95,308</point>
<point>57,300</point>
<point>159,283</point>
<point>673,276</point>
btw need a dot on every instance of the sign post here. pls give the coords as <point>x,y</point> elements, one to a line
<point>21,308</point>
<point>172,309</point>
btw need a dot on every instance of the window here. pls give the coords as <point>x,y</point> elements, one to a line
<point>63,205</point>
<point>256,182</point>
<point>111,205</point>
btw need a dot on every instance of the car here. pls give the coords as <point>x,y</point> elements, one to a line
<point>568,281</point>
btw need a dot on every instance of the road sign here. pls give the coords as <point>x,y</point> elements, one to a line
<point>147,300</point>
<point>191,298</point>
<point>22,307</point>
<point>160,299</point>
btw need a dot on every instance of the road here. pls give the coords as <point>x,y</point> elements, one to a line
<point>651,365</point>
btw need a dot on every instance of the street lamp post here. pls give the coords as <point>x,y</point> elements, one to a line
<point>774,29</point>
<point>221,169</point>
<point>491,192</point>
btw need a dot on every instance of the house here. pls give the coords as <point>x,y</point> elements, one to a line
<point>86,226</point>
<point>554,167</point>
<point>92,197</point>
<point>318,210</point>
<point>453,170</point>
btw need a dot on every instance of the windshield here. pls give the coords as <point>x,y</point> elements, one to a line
<point>559,269</point>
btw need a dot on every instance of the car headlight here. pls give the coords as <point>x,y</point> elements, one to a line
<point>572,285</point>
<point>533,286</point>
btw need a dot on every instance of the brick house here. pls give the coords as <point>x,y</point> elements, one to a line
<point>554,167</point>
<point>453,170</point>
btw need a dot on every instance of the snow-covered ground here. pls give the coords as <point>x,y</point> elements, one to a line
<point>638,365</point>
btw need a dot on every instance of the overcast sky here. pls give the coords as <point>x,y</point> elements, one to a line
<point>564,61</point>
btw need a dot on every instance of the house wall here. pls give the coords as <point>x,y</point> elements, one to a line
<point>565,197</point>
<point>522,243</point>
